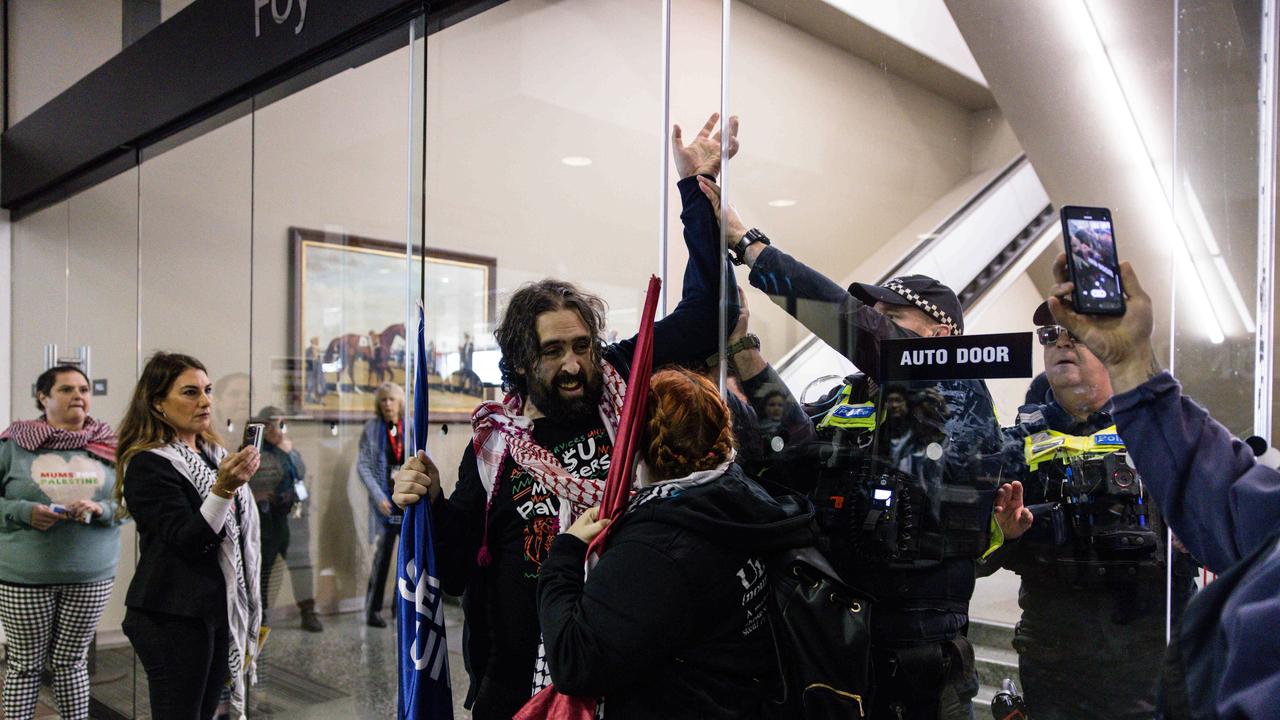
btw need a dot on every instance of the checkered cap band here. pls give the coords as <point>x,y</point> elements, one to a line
<point>933,311</point>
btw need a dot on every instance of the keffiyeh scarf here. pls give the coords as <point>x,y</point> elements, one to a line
<point>95,438</point>
<point>238,557</point>
<point>502,430</point>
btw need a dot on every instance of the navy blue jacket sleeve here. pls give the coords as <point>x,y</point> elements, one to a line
<point>690,333</point>
<point>1220,503</point>
<point>851,327</point>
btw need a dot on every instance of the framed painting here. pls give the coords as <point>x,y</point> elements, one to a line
<point>350,296</point>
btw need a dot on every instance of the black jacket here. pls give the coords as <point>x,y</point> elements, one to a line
<point>672,621</point>
<point>178,571</point>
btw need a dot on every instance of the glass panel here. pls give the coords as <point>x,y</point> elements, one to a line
<point>543,142</point>
<point>195,270</point>
<point>1223,161</point>
<point>873,148</point>
<point>1215,195</point>
<point>103,300</point>
<point>331,203</point>
<point>40,247</point>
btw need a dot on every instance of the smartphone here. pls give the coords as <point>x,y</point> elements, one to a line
<point>253,433</point>
<point>1092,262</point>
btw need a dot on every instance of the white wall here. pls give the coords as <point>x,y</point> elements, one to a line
<point>923,25</point>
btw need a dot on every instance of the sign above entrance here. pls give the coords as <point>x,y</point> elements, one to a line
<point>969,357</point>
<point>280,12</point>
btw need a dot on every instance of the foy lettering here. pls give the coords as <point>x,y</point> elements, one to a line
<point>278,15</point>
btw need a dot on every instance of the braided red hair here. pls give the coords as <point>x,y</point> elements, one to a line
<point>688,427</point>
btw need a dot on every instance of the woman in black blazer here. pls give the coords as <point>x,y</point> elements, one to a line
<point>194,606</point>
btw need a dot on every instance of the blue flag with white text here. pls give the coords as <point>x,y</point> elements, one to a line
<point>425,693</point>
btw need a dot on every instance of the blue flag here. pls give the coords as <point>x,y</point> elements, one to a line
<point>425,693</point>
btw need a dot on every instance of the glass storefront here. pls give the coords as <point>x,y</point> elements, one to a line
<point>289,241</point>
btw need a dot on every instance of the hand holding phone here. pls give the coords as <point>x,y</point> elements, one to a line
<point>1092,262</point>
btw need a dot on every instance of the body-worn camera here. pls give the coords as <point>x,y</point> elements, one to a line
<point>871,515</point>
<point>1092,475</point>
<point>1104,527</point>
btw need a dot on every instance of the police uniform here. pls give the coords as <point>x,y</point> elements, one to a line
<point>1092,569</point>
<point>904,513</point>
<point>903,518</point>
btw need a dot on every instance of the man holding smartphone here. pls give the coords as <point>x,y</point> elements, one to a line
<point>1218,498</point>
<point>1092,565</point>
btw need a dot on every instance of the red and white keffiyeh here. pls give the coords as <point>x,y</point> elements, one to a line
<point>502,430</point>
<point>96,438</point>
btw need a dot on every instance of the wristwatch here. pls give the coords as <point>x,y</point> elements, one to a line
<point>738,253</point>
<point>750,340</point>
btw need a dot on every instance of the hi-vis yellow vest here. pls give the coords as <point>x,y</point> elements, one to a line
<point>848,415</point>
<point>1051,445</point>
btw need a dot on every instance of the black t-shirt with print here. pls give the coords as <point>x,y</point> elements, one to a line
<point>523,521</point>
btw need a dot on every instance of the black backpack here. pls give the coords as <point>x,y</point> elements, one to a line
<point>820,631</point>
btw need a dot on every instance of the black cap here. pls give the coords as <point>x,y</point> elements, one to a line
<point>1043,317</point>
<point>937,300</point>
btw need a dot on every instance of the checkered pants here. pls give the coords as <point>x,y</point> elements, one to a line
<point>53,623</point>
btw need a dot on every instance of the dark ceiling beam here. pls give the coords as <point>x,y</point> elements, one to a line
<point>208,57</point>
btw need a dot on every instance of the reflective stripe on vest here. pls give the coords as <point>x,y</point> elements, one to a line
<point>1051,445</point>
<point>850,415</point>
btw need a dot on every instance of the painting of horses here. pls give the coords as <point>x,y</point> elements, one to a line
<point>351,299</point>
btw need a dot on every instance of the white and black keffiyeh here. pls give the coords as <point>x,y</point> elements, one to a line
<point>239,559</point>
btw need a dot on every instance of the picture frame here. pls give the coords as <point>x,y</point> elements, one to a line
<point>348,330</point>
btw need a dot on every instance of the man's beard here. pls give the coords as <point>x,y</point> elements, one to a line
<point>551,403</point>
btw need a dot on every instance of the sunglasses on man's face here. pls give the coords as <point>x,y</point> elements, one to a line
<point>1049,334</point>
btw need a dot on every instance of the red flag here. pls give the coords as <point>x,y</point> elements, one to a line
<point>549,703</point>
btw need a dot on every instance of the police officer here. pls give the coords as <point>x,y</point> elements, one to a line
<point>906,507</point>
<point>1092,564</point>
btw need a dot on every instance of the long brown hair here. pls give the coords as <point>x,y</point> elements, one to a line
<point>517,333</point>
<point>688,427</point>
<point>143,427</point>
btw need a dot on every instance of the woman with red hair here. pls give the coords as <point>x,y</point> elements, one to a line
<point>672,621</point>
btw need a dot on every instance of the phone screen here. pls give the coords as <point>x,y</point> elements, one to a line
<point>1092,261</point>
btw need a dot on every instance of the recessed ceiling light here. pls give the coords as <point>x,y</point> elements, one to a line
<point>576,161</point>
<point>384,271</point>
<point>781,202</point>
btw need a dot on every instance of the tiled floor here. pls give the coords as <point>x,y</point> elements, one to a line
<point>347,671</point>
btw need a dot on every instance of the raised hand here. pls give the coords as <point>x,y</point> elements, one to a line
<point>1012,516</point>
<point>702,155</point>
<point>1121,342</point>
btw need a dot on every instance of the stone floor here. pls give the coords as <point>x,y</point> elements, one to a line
<point>347,671</point>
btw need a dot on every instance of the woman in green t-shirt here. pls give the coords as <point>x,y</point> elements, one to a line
<point>59,542</point>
